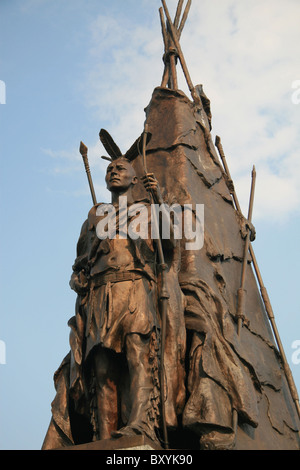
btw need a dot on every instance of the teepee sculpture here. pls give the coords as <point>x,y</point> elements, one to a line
<point>224,379</point>
<point>222,291</point>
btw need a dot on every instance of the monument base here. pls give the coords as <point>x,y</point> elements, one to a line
<point>122,443</point>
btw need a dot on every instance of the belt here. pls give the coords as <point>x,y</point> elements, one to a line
<point>117,276</point>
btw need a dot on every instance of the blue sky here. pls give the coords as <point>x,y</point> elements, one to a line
<point>73,66</point>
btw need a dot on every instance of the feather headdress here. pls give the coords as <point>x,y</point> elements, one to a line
<point>114,151</point>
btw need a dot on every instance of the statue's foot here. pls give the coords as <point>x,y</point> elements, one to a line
<point>215,440</point>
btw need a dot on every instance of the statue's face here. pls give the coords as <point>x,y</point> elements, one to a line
<point>120,175</point>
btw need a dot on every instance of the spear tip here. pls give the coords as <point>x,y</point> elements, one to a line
<point>83,149</point>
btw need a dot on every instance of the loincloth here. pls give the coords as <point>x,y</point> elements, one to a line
<point>120,303</point>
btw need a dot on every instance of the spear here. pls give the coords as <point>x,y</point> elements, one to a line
<point>84,151</point>
<point>263,290</point>
<point>241,291</point>
<point>164,296</point>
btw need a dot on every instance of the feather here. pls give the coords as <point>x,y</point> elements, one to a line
<point>136,148</point>
<point>133,152</point>
<point>109,144</point>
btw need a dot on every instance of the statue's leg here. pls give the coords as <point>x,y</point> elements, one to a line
<point>107,373</point>
<point>141,387</point>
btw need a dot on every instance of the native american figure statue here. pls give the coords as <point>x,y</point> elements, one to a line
<point>113,368</point>
<point>176,344</point>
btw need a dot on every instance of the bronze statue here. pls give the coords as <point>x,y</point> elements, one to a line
<point>169,342</point>
<point>115,337</point>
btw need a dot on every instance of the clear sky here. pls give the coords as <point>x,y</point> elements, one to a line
<point>71,67</point>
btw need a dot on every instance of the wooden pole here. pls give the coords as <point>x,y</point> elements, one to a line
<point>263,290</point>
<point>178,13</point>
<point>184,17</point>
<point>166,74</point>
<point>170,55</point>
<point>173,32</point>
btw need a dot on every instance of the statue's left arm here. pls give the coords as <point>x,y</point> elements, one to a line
<point>151,185</point>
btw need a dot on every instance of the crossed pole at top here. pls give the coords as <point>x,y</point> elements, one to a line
<point>171,32</point>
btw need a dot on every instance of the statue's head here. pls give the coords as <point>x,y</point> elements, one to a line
<point>120,175</point>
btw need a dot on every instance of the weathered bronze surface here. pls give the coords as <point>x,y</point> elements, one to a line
<point>225,384</point>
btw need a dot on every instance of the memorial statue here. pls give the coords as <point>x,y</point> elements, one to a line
<point>178,345</point>
<point>115,336</point>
